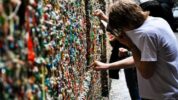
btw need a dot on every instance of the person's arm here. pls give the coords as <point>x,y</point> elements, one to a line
<point>125,63</point>
<point>146,68</point>
<point>123,52</point>
<point>99,13</point>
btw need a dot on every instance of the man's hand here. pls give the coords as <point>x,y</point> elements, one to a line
<point>123,52</point>
<point>97,65</point>
<point>99,13</point>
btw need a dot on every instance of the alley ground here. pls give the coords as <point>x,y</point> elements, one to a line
<point>118,89</point>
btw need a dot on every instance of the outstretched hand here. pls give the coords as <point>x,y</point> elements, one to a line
<point>100,14</point>
<point>97,65</point>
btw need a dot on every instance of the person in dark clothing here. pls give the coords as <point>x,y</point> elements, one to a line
<point>114,57</point>
<point>130,73</point>
<point>160,8</point>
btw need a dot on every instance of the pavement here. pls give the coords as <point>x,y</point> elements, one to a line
<point>118,89</point>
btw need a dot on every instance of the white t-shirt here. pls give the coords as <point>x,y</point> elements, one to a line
<point>142,1</point>
<point>157,42</point>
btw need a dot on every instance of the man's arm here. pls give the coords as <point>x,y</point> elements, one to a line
<point>146,68</point>
<point>125,63</point>
<point>100,14</point>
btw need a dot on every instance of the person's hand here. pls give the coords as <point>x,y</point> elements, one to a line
<point>99,13</point>
<point>123,52</point>
<point>15,2</point>
<point>97,65</point>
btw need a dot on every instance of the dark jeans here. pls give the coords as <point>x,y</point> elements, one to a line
<point>131,81</point>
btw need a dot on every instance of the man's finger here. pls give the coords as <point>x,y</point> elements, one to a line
<point>92,64</point>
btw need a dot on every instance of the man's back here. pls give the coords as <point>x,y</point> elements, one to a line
<point>157,43</point>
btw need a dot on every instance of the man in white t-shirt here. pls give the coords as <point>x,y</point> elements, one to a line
<point>154,48</point>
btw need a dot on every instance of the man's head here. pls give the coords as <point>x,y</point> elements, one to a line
<point>125,15</point>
